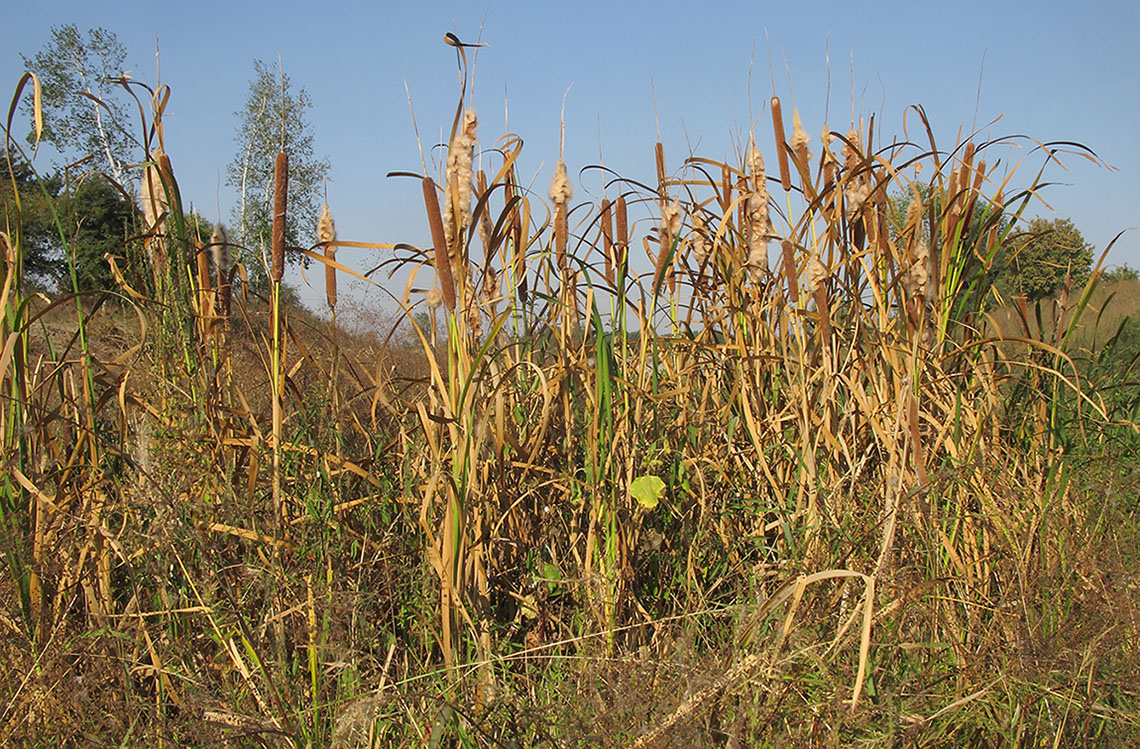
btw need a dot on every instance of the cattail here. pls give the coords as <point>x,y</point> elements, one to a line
<point>659,153</point>
<point>326,234</point>
<point>280,194</point>
<point>758,225</point>
<point>699,241</point>
<point>491,287</point>
<point>439,240</point>
<point>725,187</point>
<point>790,271</point>
<point>471,310</point>
<point>621,228</point>
<point>152,192</point>
<point>858,190</point>
<point>800,140</point>
<point>850,152</point>
<point>433,296</point>
<point>671,220</point>
<point>202,255</point>
<point>608,240</point>
<point>817,284</point>
<point>917,277</point>
<point>457,190</point>
<point>560,194</point>
<point>485,227</point>
<point>781,148</point>
<point>219,245</point>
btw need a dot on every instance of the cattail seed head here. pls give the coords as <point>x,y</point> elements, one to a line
<point>790,271</point>
<point>459,176</point>
<point>560,189</point>
<point>152,192</point>
<point>439,240</point>
<point>326,234</point>
<point>608,240</point>
<point>700,242</point>
<point>560,194</point>
<point>781,147</point>
<point>433,297</point>
<point>918,275</point>
<point>280,196</point>
<point>816,274</point>
<point>800,139</point>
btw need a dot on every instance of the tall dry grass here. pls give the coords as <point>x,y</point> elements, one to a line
<point>793,450</point>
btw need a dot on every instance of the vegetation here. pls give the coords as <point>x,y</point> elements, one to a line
<point>796,483</point>
<point>1049,252</point>
<point>274,119</point>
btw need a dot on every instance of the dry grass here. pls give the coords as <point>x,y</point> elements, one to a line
<point>709,500</point>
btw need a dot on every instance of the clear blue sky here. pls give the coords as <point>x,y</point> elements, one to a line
<point>1049,70</point>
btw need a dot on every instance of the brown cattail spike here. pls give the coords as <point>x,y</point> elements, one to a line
<point>608,240</point>
<point>791,272</point>
<point>326,235</point>
<point>560,194</point>
<point>439,241</point>
<point>280,196</point>
<point>621,224</point>
<point>660,154</point>
<point>781,144</point>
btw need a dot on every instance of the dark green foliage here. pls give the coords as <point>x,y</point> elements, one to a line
<point>38,235</point>
<point>1044,255</point>
<point>99,219</point>
<point>1122,273</point>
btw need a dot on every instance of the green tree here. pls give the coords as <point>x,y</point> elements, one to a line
<point>274,119</point>
<point>84,106</point>
<point>33,221</point>
<point>99,220</point>
<point>1043,255</point>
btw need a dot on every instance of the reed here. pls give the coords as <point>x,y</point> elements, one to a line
<point>837,481</point>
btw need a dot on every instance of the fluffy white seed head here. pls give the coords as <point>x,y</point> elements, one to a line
<point>560,189</point>
<point>816,273</point>
<point>457,196</point>
<point>800,138</point>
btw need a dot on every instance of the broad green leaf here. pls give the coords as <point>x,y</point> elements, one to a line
<point>647,490</point>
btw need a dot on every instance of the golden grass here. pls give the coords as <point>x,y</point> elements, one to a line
<point>869,483</point>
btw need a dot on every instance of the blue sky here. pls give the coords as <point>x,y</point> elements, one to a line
<point>695,73</point>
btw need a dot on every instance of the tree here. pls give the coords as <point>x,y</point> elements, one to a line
<point>273,119</point>
<point>38,235</point>
<point>99,219</point>
<point>1044,255</point>
<point>84,112</point>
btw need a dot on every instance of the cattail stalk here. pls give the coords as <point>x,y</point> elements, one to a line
<point>439,242</point>
<point>280,195</point>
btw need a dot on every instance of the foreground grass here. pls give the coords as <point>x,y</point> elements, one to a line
<point>824,496</point>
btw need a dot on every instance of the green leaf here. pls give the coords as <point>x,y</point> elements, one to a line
<point>647,490</point>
